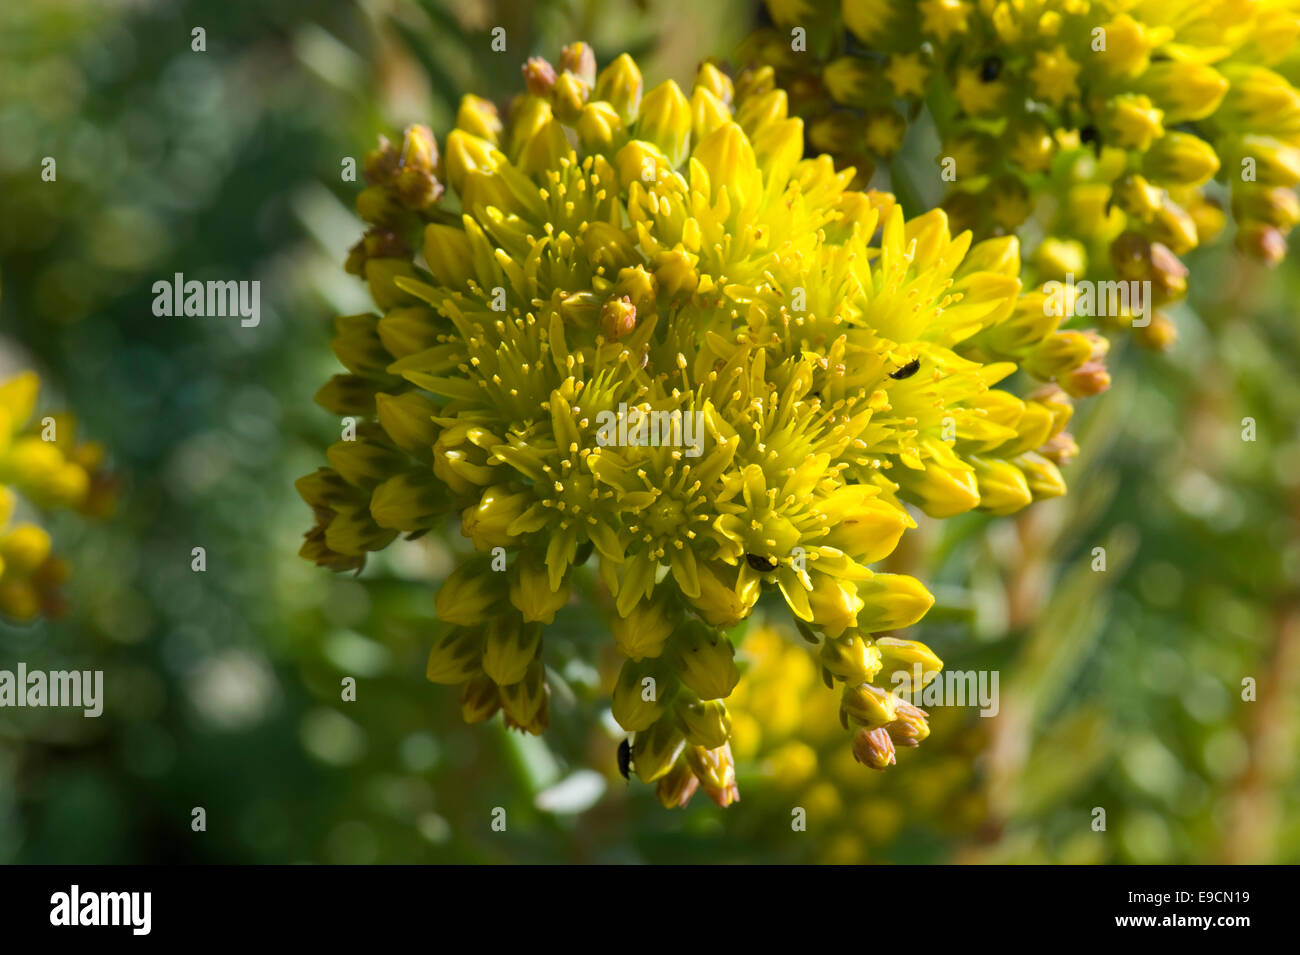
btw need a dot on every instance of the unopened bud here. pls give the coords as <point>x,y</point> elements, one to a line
<point>617,318</point>
<point>874,748</point>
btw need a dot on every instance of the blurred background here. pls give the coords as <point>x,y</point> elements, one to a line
<point>1120,690</point>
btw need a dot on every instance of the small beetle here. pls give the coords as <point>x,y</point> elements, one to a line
<point>1089,134</point>
<point>762,564</point>
<point>991,69</point>
<point>907,371</point>
<point>625,759</point>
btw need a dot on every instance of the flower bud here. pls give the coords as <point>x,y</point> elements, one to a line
<point>656,749</point>
<point>1186,90</point>
<point>850,658</point>
<point>1127,50</point>
<point>527,703</point>
<point>641,694</point>
<point>1003,488</point>
<point>707,113</point>
<point>479,698</point>
<point>1042,476</point>
<point>569,97</point>
<point>1058,354</point>
<point>539,76</point>
<point>487,523</point>
<point>1138,196</point>
<point>944,486</point>
<point>874,748</point>
<point>911,727</point>
<point>617,318</point>
<point>469,596</point>
<point>1173,226</point>
<point>713,80</point>
<point>705,723</point>
<point>852,81</point>
<point>898,654</point>
<point>1057,259</point>
<point>455,657</point>
<point>448,255</point>
<point>716,771</point>
<point>600,129</point>
<point>580,60</point>
<point>467,153</point>
<point>407,419</point>
<point>407,330</point>
<point>1133,121</point>
<point>479,117</point>
<point>868,705</point>
<point>460,458</point>
<point>531,592</point>
<point>644,631</point>
<point>365,463</point>
<point>1090,378</point>
<point>706,660</point>
<point>509,648</point>
<point>620,84</point>
<point>19,600</point>
<point>407,502</point>
<point>891,602</point>
<point>676,788</point>
<point>1061,449</point>
<point>323,489</point>
<point>675,273</point>
<point>1181,158</point>
<point>1261,241</point>
<point>863,526</point>
<point>665,121</point>
<point>1276,163</point>
<point>1159,334</point>
<point>834,602</point>
<point>24,548</point>
<point>1276,206</point>
<point>381,276</point>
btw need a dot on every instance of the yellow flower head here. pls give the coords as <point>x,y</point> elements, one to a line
<point>637,329</point>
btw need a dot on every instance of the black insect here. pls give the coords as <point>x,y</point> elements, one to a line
<point>762,564</point>
<point>625,759</point>
<point>907,371</point>
<point>991,69</point>
<point>1088,135</point>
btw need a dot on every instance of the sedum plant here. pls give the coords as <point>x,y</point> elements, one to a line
<point>637,331</point>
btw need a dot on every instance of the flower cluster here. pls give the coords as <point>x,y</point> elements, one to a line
<point>638,327</point>
<point>783,734</point>
<point>1104,120</point>
<point>41,468</point>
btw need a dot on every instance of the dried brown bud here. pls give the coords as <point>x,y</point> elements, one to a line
<point>539,76</point>
<point>874,748</point>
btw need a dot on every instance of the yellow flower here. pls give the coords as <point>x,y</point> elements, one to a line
<point>944,18</point>
<point>1054,75</point>
<point>41,463</point>
<point>907,74</point>
<point>659,354</point>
